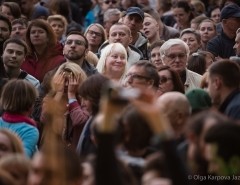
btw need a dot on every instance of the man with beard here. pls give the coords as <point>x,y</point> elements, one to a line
<point>75,50</point>
<point>5,31</point>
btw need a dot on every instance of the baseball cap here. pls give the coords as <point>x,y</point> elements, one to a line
<point>135,10</point>
<point>232,10</point>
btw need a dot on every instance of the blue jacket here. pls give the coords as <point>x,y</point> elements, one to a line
<point>26,132</point>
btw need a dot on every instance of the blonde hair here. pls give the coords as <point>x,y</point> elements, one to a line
<point>91,58</point>
<point>58,17</point>
<point>104,35</point>
<point>118,47</point>
<point>16,161</point>
<point>70,67</point>
<point>15,141</point>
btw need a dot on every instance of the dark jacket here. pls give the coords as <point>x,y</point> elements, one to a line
<point>169,33</point>
<point>222,46</point>
<point>231,105</point>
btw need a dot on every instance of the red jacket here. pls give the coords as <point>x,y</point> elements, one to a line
<point>39,66</point>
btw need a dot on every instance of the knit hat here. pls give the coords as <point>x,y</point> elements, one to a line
<point>199,100</point>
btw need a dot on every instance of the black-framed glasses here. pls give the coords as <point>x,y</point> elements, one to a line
<point>77,42</point>
<point>107,2</point>
<point>137,77</point>
<point>91,32</point>
<point>164,79</point>
<point>174,56</point>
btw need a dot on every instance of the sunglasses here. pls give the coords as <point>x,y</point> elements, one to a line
<point>164,79</point>
<point>107,2</point>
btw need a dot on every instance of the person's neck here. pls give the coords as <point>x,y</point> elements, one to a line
<point>203,45</point>
<point>40,50</point>
<point>12,72</point>
<point>93,49</point>
<point>134,38</point>
<point>154,38</point>
<point>113,75</point>
<point>225,92</point>
<point>79,62</point>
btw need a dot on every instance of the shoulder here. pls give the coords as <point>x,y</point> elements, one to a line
<point>35,82</point>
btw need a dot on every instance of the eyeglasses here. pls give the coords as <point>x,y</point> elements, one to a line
<point>164,79</point>
<point>107,2</point>
<point>174,56</point>
<point>136,77</point>
<point>91,32</point>
<point>77,42</point>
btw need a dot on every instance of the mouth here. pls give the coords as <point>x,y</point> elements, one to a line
<point>147,32</point>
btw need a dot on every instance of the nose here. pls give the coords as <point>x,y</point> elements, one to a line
<point>235,46</point>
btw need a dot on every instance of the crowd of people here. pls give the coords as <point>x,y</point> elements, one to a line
<point>119,92</point>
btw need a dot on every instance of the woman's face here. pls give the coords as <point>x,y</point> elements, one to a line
<point>58,28</point>
<point>207,31</point>
<point>181,17</point>
<point>38,36</point>
<point>86,105</point>
<point>215,15</point>
<point>115,62</point>
<point>191,40</point>
<point>155,57</point>
<point>94,36</point>
<point>166,83</point>
<point>5,145</point>
<point>7,12</point>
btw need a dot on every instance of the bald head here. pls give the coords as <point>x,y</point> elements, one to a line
<point>177,108</point>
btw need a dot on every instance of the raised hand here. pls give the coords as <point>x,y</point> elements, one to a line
<point>73,85</point>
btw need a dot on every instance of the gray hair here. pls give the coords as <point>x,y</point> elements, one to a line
<point>172,42</point>
<point>110,12</point>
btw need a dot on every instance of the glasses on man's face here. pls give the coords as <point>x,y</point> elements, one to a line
<point>164,79</point>
<point>136,77</point>
<point>91,32</point>
<point>107,2</point>
<point>174,56</point>
<point>77,42</point>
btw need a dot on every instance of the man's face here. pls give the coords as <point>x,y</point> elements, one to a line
<point>150,27</point>
<point>136,77</point>
<point>231,24</point>
<point>75,47</point>
<point>4,31</point>
<point>176,58</point>
<point>13,55</point>
<point>237,44</point>
<point>19,31</point>
<point>121,34</point>
<point>134,22</point>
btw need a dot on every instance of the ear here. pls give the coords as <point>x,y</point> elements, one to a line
<point>150,82</point>
<point>86,52</point>
<point>130,39</point>
<point>217,82</point>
